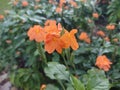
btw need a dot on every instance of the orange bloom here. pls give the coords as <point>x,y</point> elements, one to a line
<point>95,15</point>
<point>36,33</point>
<point>50,22</point>
<point>51,27</point>
<point>62,2</point>
<point>59,27</point>
<point>15,3</point>
<point>53,42</point>
<point>58,9</point>
<point>83,1</point>
<point>1,17</point>
<point>43,87</point>
<point>110,27</point>
<point>101,33</point>
<point>115,39</point>
<point>87,40</point>
<point>90,21</point>
<point>37,0</point>
<point>36,7</point>
<point>103,63</point>
<point>24,3</point>
<point>70,40</point>
<point>107,39</point>
<point>73,3</point>
<point>8,41</point>
<point>83,36</point>
<point>18,52</point>
<point>51,1</point>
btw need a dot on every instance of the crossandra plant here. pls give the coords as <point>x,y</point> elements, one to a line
<point>59,45</point>
<point>53,37</point>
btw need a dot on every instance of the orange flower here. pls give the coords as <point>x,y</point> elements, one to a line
<point>15,3</point>
<point>8,41</point>
<point>59,27</point>
<point>24,3</point>
<point>83,36</point>
<point>51,1</point>
<point>90,21</point>
<point>95,15</point>
<point>36,7</point>
<point>36,33</point>
<point>107,39</point>
<point>50,22</point>
<point>37,0</point>
<point>87,40</point>
<point>103,63</point>
<point>101,33</point>
<point>73,3</point>
<point>70,40</point>
<point>62,2</point>
<point>53,42</point>
<point>115,39</point>
<point>58,9</point>
<point>110,27</point>
<point>1,17</point>
<point>51,27</point>
<point>83,1</point>
<point>18,52</point>
<point>43,87</point>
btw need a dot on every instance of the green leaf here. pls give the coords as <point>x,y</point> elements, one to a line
<point>51,87</point>
<point>77,84</point>
<point>96,80</point>
<point>56,71</point>
<point>70,88</point>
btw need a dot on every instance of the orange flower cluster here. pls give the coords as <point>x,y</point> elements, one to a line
<point>51,35</point>
<point>95,15</point>
<point>84,36</point>
<point>25,3</point>
<point>103,62</point>
<point>110,27</point>
<point>101,33</point>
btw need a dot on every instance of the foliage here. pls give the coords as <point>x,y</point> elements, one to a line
<point>113,10</point>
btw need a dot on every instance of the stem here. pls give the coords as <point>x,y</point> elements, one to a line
<point>41,52</point>
<point>114,54</point>
<point>71,61</point>
<point>63,56</point>
<point>61,84</point>
<point>67,52</point>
